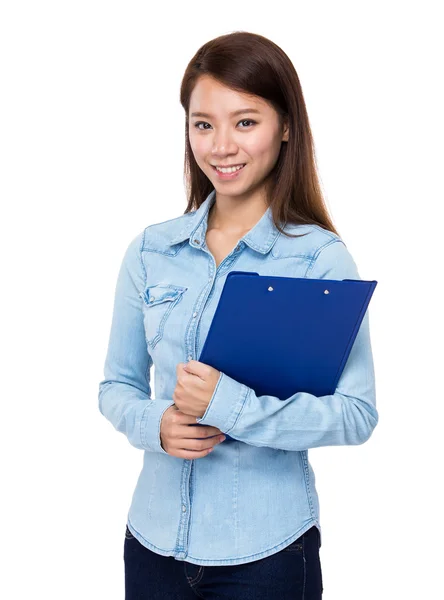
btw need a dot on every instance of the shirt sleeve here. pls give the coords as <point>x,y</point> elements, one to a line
<point>303,420</point>
<point>125,392</point>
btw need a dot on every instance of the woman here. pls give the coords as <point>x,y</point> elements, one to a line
<point>237,518</point>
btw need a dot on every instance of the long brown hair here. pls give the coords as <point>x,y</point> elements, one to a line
<point>250,63</point>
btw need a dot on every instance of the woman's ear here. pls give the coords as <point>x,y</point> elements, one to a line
<point>285,131</point>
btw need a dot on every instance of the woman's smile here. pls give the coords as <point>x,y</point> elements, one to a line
<point>228,173</point>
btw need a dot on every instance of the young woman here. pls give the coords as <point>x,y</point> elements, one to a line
<point>237,518</point>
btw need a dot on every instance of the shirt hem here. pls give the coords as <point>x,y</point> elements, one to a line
<point>178,555</point>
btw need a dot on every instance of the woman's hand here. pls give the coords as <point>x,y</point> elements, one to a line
<point>195,385</point>
<point>180,438</point>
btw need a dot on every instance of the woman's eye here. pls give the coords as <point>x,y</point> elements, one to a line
<point>247,121</point>
<point>200,123</point>
<point>205,123</point>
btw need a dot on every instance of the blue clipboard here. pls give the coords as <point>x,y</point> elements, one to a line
<point>282,335</point>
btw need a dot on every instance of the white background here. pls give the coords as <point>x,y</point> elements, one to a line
<point>92,143</point>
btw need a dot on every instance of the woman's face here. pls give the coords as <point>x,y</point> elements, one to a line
<point>219,136</point>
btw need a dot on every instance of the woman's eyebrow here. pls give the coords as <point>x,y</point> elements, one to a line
<point>232,114</point>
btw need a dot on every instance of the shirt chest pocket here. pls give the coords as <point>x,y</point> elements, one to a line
<point>159,301</point>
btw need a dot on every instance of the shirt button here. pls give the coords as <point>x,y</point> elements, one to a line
<point>190,357</point>
<point>152,299</point>
<point>184,508</point>
<point>194,315</point>
<point>210,278</point>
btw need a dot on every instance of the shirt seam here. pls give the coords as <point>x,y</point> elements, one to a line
<point>142,244</point>
<point>243,400</point>
<point>145,444</point>
<point>316,255</point>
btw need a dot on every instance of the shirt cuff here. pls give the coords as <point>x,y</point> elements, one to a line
<point>150,425</point>
<point>226,403</point>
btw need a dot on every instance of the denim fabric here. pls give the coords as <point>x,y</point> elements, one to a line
<point>255,493</point>
<point>294,573</point>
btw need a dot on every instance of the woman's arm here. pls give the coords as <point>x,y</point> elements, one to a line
<point>125,392</point>
<point>303,420</point>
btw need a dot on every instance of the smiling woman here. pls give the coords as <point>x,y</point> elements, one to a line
<point>250,112</point>
<point>246,501</point>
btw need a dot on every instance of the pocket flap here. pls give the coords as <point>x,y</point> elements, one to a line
<point>155,294</point>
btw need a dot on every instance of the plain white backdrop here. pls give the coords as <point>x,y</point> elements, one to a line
<point>92,144</point>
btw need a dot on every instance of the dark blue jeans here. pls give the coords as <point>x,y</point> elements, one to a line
<point>293,573</point>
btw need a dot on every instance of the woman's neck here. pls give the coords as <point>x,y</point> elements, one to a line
<point>233,216</point>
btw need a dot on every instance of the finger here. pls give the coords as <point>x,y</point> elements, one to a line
<point>185,419</point>
<point>198,446</point>
<point>196,449</point>
<point>192,429</point>
<point>193,432</point>
<point>182,453</point>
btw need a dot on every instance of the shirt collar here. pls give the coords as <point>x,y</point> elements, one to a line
<point>261,237</point>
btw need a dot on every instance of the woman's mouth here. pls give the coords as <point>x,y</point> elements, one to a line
<point>228,173</point>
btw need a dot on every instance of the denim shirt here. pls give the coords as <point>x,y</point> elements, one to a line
<point>255,493</point>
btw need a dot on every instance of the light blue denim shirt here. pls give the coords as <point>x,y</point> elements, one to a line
<point>254,494</point>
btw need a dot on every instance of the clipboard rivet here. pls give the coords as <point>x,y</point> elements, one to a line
<point>270,289</point>
<point>326,292</point>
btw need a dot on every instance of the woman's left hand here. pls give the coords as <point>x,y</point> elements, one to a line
<point>195,385</point>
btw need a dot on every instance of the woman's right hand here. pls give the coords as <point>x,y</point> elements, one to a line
<point>179,439</point>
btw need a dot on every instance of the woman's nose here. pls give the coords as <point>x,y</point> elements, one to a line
<point>223,142</point>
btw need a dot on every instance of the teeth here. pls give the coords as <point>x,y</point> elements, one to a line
<point>230,169</point>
